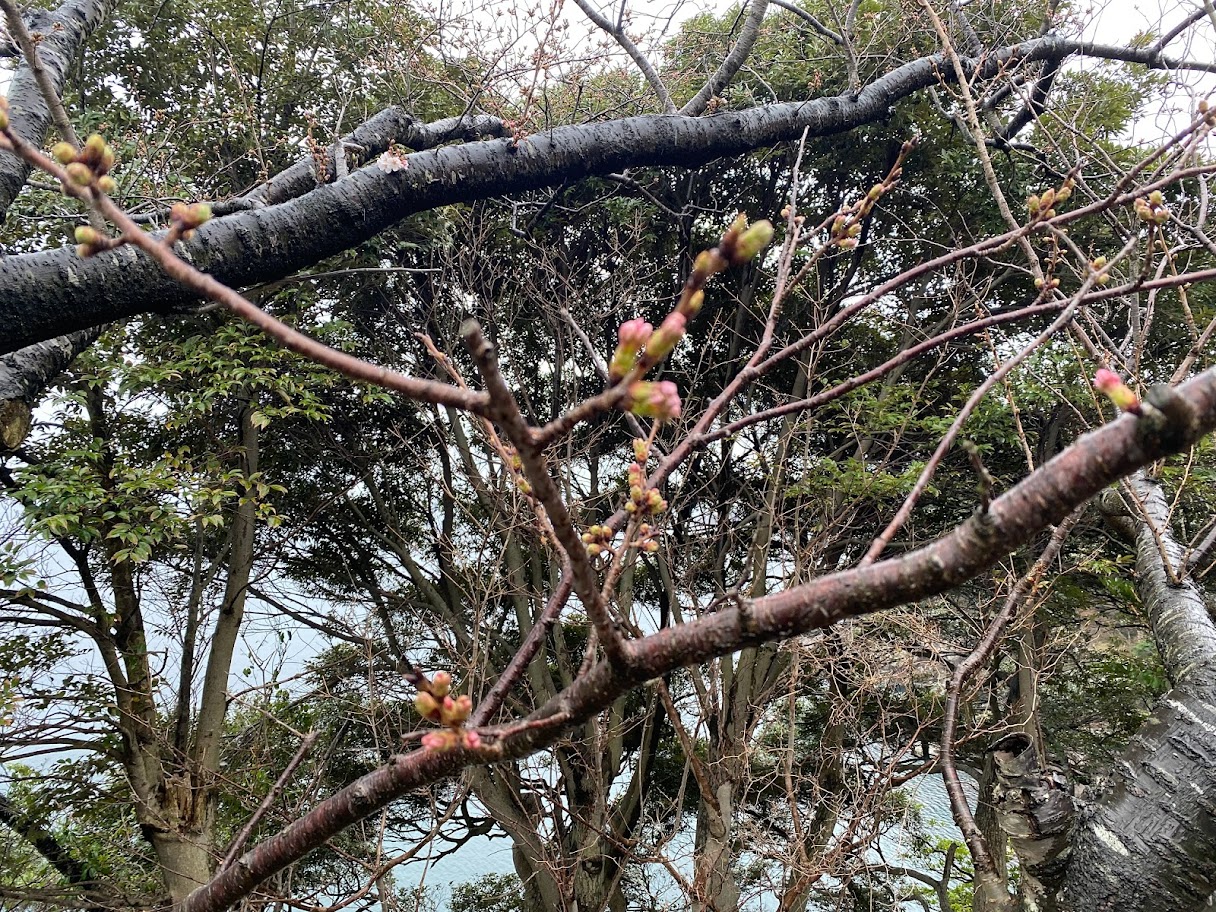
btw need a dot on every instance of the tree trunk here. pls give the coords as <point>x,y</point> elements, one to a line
<point>715,889</point>
<point>1151,842</point>
<point>185,862</point>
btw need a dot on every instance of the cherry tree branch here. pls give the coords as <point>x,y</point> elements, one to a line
<point>1043,498</point>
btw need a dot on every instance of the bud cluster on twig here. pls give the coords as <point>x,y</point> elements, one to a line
<point>640,346</point>
<point>1152,209</point>
<point>1041,206</point>
<point>847,224</point>
<point>435,703</point>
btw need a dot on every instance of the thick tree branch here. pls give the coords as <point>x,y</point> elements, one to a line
<point>50,293</point>
<point>1152,834</point>
<point>73,870</point>
<point>731,63</point>
<point>24,374</point>
<point>63,33</point>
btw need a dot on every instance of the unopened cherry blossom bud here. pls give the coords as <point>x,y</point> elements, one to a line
<point>665,338</point>
<point>79,174</point>
<point>439,740</point>
<point>1108,383</point>
<point>453,712</point>
<point>63,152</point>
<point>472,739</point>
<point>708,263</point>
<point>660,401</point>
<point>633,335</point>
<point>441,683</point>
<point>641,451</point>
<point>752,241</point>
<point>427,706</point>
<point>691,306</point>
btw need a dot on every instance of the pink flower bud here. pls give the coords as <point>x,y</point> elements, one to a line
<point>660,401</point>
<point>438,740</point>
<point>456,711</point>
<point>633,334</point>
<point>472,740</point>
<point>1108,383</point>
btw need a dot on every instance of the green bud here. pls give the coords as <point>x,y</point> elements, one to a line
<point>87,235</point>
<point>80,174</point>
<point>752,241</point>
<point>63,153</point>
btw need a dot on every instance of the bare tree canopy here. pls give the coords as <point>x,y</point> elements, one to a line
<point>659,441</point>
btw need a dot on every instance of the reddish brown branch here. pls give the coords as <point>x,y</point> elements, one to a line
<point>505,412</point>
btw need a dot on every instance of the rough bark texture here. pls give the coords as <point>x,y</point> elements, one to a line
<point>1151,841</point>
<point>24,374</point>
<point>63,33</point>
<point>1035,809</point>
<point>50,293</point>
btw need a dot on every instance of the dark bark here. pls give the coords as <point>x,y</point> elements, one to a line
<point>73,870</point>
<point>24,374</point>
<point>1045,497</point>
<point>50,293</point>
<point>63,33</point>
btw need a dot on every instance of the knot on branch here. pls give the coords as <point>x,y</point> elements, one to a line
<point>1167,420</point>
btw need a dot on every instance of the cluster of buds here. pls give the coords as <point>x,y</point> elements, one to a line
<point>1119,393</point>
<point>598,539</point>
<point>644,539</point>
<point>90,241</point>
<point>643,499</point>
<point>437,705</point>
<point>84,166</point>
<point>1098,265</point>
<point>1152,209</point>
<point>1041,206</point>
<point>660,401</point>
<point>640,346</point>
<point>184,218</point>
<point>1046,282</point>
<point>846,226</point>
<point>1208,113</point>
